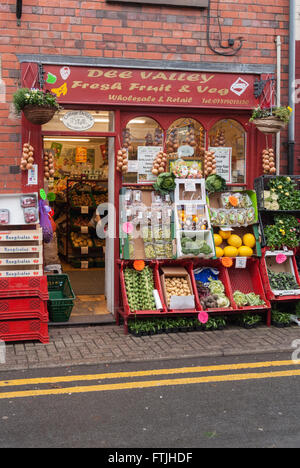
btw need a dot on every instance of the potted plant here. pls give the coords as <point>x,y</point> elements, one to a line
<point>135,328</point>
<point>271,120</point>
<point>182,324</point>
<point>171,326</point>
<point>211,324</point>
<point>250,320</point>
<point>281,319</point>
<point>38,106</point>
<point>221,322</point>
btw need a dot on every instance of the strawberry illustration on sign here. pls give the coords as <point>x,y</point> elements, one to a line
<point>65,73</point>
<point>239,86</point>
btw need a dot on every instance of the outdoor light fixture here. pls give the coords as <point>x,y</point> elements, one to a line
<point>19,12</point>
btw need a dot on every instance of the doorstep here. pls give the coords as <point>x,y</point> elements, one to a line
<point>104,319</point>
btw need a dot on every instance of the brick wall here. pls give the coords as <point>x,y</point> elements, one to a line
<point>96,29</point>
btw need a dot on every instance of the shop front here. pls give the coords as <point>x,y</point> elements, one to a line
<point>143,111</point>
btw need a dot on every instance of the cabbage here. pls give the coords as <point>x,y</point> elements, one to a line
<point>223,301</point>
<point>215,286</point>
<point>165,182</point>
<point>215,183</point>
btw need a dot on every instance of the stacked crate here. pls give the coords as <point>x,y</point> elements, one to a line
<point>23,287</point>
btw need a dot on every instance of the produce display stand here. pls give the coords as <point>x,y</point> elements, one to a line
<point>192,216</point>
<point>23,286</point>
<point>78,222</point>
<point>266,215</point>
<point>268,261</point>
<point>125,310</point>
<point>280,262</point>
<point>245,280</point>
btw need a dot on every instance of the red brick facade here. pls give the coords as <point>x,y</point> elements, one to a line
<point>128,31</point>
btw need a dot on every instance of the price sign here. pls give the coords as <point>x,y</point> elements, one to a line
<point>240,262</point>
<point>84,210</point>
<point>223,161</point>
<point>146,156</point>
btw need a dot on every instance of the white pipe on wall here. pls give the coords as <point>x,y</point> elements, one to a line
<point>278,99</point>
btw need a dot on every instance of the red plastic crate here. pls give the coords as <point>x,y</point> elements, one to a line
<point>268,290</point>
<point>27,286</point>
<point>24,330</point>
<point>22,308</point>
<point>223,276</point>
<point>127,311</point>
<point>188,265</point>
<point>248,280</point>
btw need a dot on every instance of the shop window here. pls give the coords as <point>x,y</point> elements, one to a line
<point>143,138</point>
<point>80,121</point>
<point>185,137</point>
<point>76,157</point>
<point>229,133</point>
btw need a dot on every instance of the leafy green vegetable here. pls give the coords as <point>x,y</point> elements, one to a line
<point>250,299</point>
<point>165,183</point>
<point>194,246</point>
<point>139,289</point>
<point>215,183</point>
<point>282,281</point>
<point>216,286</point>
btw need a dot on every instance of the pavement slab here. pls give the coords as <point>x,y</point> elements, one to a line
<point>107,343</point>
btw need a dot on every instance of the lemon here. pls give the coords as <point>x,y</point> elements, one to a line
<point>230,251</point>
<point>235,241</point>
<point>219,252</point>
<point>218,239</point>
<point>224,234</point>
<point>245,251</point>
<point>249,240</point>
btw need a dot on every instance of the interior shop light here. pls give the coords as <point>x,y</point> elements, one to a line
<point>67,139</point>
<point>137,121</point>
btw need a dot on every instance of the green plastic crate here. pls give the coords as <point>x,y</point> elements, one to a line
<point>61,298</point>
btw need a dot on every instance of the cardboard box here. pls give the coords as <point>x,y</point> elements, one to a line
<point>287,266</point>
<point>190,191</point>
<point>178,302</point>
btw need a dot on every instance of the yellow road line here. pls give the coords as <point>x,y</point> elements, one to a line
<point>144,373</point>
<point>150,383</point>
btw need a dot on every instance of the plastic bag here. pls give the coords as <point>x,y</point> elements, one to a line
<point>45,221</point>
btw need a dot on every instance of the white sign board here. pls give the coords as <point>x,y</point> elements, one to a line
<point>223,157</point>
<point>33,175</point>
<point>185,151</point>
<point>146,156</point>
<point>78,120</point>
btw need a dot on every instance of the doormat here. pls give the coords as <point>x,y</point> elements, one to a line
<point>84,282</point>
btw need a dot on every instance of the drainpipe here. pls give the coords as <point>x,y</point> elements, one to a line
<point>278,98</point>
<point>292,76</point>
